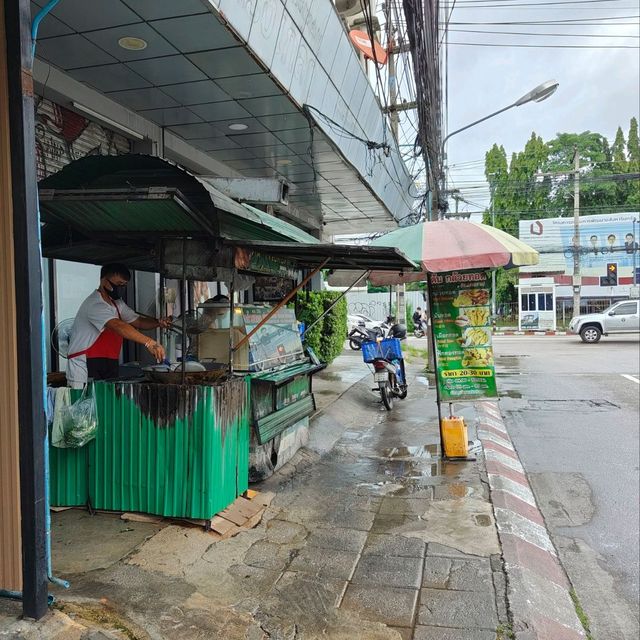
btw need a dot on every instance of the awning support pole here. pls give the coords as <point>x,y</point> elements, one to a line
<point>184,302</point>
<point>435,368</point>
<point>335,302</point>
<point>231,309</point>
<point>282,303</point>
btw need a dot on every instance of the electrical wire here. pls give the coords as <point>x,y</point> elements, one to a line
<point>541,46</point>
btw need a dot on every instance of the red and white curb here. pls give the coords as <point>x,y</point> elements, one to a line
<point>513,332</point>
<point>538,587</point>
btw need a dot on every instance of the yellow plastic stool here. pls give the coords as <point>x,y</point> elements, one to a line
<point>454,436</point>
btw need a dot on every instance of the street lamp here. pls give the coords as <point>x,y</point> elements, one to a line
<point>540,93</point>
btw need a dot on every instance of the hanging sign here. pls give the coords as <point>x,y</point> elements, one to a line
<point>362,42</point>
<point>256,262</point>
<point>461,320</point>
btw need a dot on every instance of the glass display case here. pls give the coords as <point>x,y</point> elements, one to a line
<point>274,345</point>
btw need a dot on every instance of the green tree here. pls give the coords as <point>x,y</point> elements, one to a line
<point>633,155</point>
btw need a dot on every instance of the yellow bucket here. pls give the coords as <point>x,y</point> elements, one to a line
<point>454,436</point>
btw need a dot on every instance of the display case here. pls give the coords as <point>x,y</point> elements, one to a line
<point>281,372</point>
<point>274,345</point>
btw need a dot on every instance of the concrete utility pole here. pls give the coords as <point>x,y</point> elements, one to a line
<point>493,271</point>
<point>577,281</point>
<point>394,119</point>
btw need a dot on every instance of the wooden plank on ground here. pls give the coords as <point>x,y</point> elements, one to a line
<point>141,517</point>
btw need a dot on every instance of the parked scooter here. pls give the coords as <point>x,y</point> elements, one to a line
<point>418,331</point>
<point>385,354</point>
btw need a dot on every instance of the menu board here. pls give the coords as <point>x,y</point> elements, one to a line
<point>461,318</point>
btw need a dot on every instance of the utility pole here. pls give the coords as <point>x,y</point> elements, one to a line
<point>577,283</point>
<point>394,118</point>
<point>576,280</point>
<point>493,271</point>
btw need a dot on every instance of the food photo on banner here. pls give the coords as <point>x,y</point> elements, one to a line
<point>461,317</point>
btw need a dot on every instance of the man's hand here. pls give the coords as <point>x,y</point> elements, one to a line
<point>165,323</point>
<point>156,350</point>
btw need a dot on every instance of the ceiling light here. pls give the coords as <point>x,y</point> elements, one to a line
<point>131,43</point>
<point>238,126</point>
<point>283,161</point>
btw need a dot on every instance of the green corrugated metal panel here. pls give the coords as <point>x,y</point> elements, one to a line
<point>234,227</point>
<point>262,400</point>
<point>162,449</point>
<point>292,391</point>
<point>119,215</point>
<point>170,450</point>
<point>280,376</point>
<point>69,476</point>
<point>282,227</point>
<point>275,423</point>
<point>69,472</point>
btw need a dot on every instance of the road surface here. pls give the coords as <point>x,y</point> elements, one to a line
<point>572,412</point>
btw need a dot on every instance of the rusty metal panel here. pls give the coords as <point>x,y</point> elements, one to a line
<point>10,537</point>
<point>170,450</point>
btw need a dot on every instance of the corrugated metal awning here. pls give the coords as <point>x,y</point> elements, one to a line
<point>104,207</point>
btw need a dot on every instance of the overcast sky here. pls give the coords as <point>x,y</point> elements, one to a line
<point>599,88</point>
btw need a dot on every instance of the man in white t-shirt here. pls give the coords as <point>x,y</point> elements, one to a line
<point>101,325</point>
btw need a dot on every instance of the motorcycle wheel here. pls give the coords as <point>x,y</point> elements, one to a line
<point>386,394</point>
<point>356,346</point>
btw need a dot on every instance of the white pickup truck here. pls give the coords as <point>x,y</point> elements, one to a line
<point>621,317</point>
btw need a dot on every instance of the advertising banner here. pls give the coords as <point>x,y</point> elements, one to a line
<point>461,318</point>
<point>604,239</point>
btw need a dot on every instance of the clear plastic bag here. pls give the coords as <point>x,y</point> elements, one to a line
<point>80,419</point>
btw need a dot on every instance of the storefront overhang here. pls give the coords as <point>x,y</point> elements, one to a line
<point>103,209</point>
<point>269,88</point>
<point>115,208</point>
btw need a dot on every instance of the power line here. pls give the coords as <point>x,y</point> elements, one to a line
<point>568,21</point>
<point>544,35</point>
<point>542,46</point>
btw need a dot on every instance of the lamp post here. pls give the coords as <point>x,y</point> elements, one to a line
<point>540,93</point>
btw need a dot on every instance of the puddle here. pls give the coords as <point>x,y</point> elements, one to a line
<point>424,451</point>
<point>422,380</point>
<point>511,393</point>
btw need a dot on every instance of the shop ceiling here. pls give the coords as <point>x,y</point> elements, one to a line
<point>230,77</point>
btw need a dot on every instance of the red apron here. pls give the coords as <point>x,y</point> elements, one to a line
<point>107,345</point>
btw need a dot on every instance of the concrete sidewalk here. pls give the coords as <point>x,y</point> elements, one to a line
<point>370,536</point>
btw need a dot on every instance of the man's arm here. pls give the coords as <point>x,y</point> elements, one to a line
<point>145,323</point>
<point>129,332</point>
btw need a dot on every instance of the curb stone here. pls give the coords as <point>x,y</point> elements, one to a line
<point>510,332</point>
<point>537,585</point>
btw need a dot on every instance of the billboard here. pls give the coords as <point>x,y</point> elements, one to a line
<point>604,239</point>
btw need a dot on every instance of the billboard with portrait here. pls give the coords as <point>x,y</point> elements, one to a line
<point>604,239</point>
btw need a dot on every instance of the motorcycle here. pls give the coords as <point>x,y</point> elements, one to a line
<point>385,354</point>
<point>418,331</point>
<point>388,329</point>
<point>358,335</point>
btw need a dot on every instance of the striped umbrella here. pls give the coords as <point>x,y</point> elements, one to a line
<point>453,245</point>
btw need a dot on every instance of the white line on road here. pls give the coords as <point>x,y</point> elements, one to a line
<point>632,378</point>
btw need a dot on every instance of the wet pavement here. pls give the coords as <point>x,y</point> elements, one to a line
<point>572,411</point>
<point>370,536</point>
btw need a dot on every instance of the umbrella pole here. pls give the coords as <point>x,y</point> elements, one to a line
<point>435,360</point>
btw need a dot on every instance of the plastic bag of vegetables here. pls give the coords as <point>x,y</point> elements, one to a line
<point>80,419</point>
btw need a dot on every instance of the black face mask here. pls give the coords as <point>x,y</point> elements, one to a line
<point>116,291</point>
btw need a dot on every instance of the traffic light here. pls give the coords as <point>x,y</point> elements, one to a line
<point>611,279</point>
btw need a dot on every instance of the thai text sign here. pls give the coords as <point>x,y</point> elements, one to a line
<point>461,319</point>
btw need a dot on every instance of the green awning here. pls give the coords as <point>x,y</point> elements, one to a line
<point>115,207</point>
